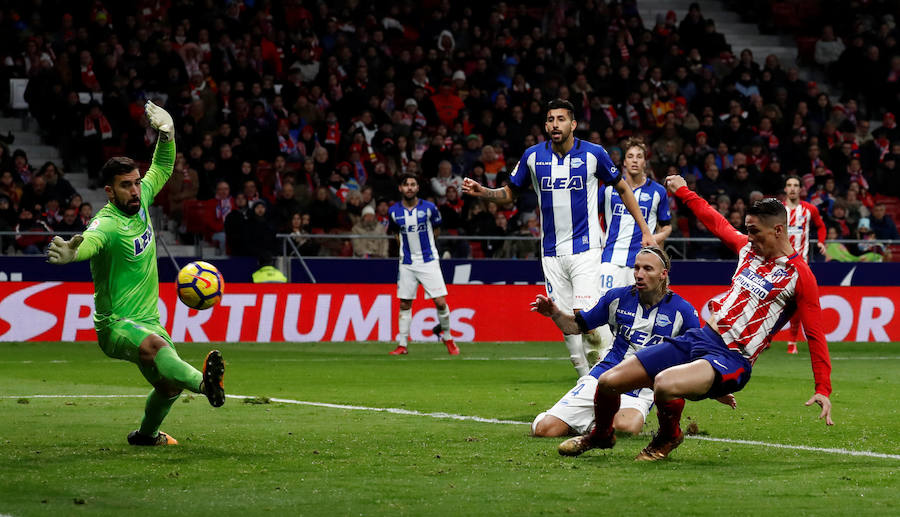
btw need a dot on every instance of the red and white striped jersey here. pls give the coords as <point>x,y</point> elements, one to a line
<point>763,296</point>
<point>799,218</point>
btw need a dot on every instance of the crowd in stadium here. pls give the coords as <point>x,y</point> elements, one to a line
<point>296,116</point>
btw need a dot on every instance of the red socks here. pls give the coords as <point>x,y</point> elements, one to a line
<point>669,414</point>
<point>605,407</point>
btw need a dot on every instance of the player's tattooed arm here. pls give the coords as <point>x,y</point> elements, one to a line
<point>500,195</point>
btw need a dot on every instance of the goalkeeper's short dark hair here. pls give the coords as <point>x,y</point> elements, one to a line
<point>116,166</point>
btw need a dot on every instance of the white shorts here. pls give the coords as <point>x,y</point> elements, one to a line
<point>614,275</point>
<point>573,281</point>
<point>576,408</point>
<point>427,274</point>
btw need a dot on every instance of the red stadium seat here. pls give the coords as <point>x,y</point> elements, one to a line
<point>806,49</point>
<point>475,247</point>
<point>785,16</point>
<point>197,216</point>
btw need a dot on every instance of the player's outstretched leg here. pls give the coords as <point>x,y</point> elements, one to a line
<point>669,436</point>
<point>157,352</point>
<point>214,378</point>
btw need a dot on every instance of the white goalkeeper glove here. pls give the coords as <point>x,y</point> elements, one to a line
<point>160,120</point>
<point>61,251</point>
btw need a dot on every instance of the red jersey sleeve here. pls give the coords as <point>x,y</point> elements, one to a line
<point>712,219</point>
<point>807,298</point>
<point>821,232</point>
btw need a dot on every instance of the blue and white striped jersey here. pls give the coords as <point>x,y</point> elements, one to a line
<point>623,236</point>
<point>416,229</point>
<point>634,326</point>
<point>567,189</point>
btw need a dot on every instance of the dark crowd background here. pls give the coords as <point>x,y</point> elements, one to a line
<point>296,116</point>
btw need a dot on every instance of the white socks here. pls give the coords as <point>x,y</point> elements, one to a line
<point>444,319</point>
<point>576,354</point>
<point>403,323</point>
<point>597,343</point>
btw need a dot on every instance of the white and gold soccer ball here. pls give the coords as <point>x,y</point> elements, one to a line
<point>200,285</point>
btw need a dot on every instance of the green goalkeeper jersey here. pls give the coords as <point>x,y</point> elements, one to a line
<point>122,251</point>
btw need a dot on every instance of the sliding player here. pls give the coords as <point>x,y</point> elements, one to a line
<point>770,283</point>
<point>120,244</point>
<point>641,315</point>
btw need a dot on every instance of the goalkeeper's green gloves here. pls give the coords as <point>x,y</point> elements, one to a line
<point>61,251</point>
<point>161,121</point>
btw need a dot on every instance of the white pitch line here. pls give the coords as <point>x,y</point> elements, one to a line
<point>864,358</point>
<point>452,416</point>
<point>847,452</point>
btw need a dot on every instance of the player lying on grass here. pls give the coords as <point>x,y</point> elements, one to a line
<point>120,245</point>
<point>771,282</point>
<point>639,316</point>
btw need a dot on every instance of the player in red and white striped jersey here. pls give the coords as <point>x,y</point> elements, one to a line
<point>771,283</point>
<point>800,213</point>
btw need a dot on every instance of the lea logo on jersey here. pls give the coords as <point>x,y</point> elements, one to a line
<point>570,183</point>
<point>142,242</point>
<point>620,210</point>
<point>639,337</point>
<point>413,228</point>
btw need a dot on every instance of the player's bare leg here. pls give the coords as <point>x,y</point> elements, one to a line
<point>624,377</point>
<point>404,319</point>
<point>550,426</point>
<point>690,380</point>
<point>442,329</point>
<point>628,420</point>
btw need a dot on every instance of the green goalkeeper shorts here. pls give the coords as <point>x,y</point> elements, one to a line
<point>123,338</point>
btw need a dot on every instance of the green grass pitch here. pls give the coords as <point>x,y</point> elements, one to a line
<point>68,455</point>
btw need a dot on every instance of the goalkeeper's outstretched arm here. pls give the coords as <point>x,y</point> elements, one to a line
<point>164,155</point>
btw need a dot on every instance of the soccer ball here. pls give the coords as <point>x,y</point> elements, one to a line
<point>200,285</point>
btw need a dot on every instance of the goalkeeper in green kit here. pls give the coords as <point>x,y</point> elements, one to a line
<point>120,244</point>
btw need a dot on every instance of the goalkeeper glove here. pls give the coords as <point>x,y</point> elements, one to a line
<point>161,121</point>
<point>61,251</point>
